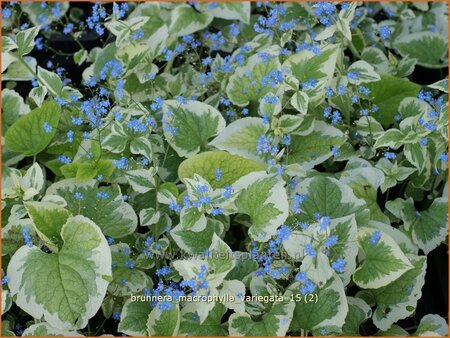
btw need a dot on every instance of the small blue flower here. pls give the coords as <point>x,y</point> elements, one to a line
<point>78,195</point>
<point>309,250</point>
<point>6,13</point>
<point>331,241</point>
<point>47,127</point>
<point>139,34</point>
<point>102,195</point>
<point>70,134</point>
<point>122,164</point>
<point>5,280</point>
<point>385,32</point>
<point>301,276</point>
<point>390,155</point>
<point>339,265</point>
<point>68,28</point>
<point>27,237</point>
<point>116,315</point>
<point>218,174</point>
<point>375,237</point>
<point>64,159</point>
<point>283,233</point>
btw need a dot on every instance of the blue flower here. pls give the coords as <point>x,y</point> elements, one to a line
<point>283,233</point>
<point>324,222</point>
<point>174,206</point>
<point>228,192</point>
<point>331,241</point>
<point>353,75</point>
<point>390,155</point>
<point>78,195</point>
<point>129,264</point>
<point>339,265</point>
<point>385,32</point>
<point>123,163</point>
<point>301,276</point>
<point>102,195</point>
<point>443,157</point>
<point>375,237</point>
<point>139,34</point>
<point>70,134</point>
<point>47,127</point>
<point>5,280</point>
<point>216,211</point>
<point>68,28</point>
<point>335,151</point>
<point>64,159</point>
<point>27,237</point>
<point>164,271</point>
<point>309,250</point>
<point>218,174</point>
<point>308,287</point>
<point>6,13</point>
<point>116,315</point>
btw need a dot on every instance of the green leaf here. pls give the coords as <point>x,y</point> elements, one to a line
<point>195,242</point>
<point>330,309</point>
<point>115,217</point>
<point>141,180</point>
<point>164,323</point>
<point>376,58</point>
<point>13,106</point>
<point>211,326</point>
<point>185,20</point>
<point>387,95</point>
<point>300,102</point>
<point>194,124</point>
<point>398,299</point>
<point>262,197</point>
<point>17,71</point>
<point>115,138</point>
<point>50,80</point>
<point>365,182</point>
<point>384,261</point>
<point>434,324</point>
<point>46,330</point>
<point>365,72</point>
<point>392,138</point>
<point>441,85</point>
<point>247,84</point>
<point>393,331</point>
<point>66,288</point>
<point>416,154</point>
<point>241,137</point>
<point>315,147</point>
<point>136,279</point>
<point>28,136</point>
<point>429,228</point>
<point>228,10</point>
<point>192,219</point>
<point>221,260</point>
<point>25,40</point>
<point>331,198</point>
<point>430,49</point>
<point>134,316</point>
<point>48,219</point>
<point>205,164</point>
<point>245,265</point>
<point>307,65</point>
<point>358,312</point>
<point>274,323</point>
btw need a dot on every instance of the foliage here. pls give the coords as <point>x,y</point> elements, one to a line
<point>242,169</point>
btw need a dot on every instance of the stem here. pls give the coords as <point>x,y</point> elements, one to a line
<point>354,50</point>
